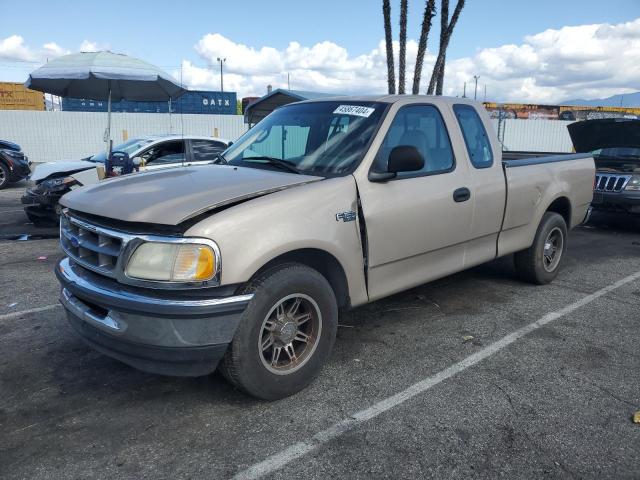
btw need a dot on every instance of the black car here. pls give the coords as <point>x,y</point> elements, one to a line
<point>615,143</point>
<point>14,165</point>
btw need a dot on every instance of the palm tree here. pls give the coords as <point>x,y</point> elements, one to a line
<point>429,12</point>
<point>447,26</point>
<point>391,78</point>
<point>404,5</point>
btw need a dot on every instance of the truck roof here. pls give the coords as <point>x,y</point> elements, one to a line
<point>436,99</point>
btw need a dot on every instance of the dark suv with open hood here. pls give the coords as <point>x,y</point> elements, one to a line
<point>615,143</point>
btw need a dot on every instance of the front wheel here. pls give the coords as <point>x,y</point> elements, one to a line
<point>540,263</point>
<point>42,218</point>
<point>4,176</point>
<point>285,334</point>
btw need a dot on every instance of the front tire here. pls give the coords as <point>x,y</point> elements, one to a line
<point>42,218</point>
<point>4,176</point>
<point>541,262</point>
<point>285,335</point>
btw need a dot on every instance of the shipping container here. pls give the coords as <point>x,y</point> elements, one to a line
<point>194,101</point>
<point>246,101</point>
<point>14,96</point>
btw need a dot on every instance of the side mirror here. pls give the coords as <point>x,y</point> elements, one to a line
<point>229,144</point>
<point>403,158</point>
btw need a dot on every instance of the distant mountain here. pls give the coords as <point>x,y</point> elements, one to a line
<point>623,100</point>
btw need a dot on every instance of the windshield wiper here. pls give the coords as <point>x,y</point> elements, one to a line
<point>276,162</point>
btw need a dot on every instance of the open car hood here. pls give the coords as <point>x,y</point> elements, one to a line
<point>591,135</point>
<point>45,170</point>
<point>170,197</point>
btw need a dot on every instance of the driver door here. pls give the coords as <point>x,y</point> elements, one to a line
<point>418,223</point>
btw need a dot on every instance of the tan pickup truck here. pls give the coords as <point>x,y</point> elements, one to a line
<point>324,205</point>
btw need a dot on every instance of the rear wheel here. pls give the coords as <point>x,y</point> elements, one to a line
<point>4,176</point>
<point>285,335</point>
<point>541,262</point>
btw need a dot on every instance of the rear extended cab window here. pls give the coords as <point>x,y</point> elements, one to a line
<point>422,127</point>
<point>475,136</point>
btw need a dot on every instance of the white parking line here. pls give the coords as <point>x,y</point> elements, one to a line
<point>11,211</point>
<point>280,459</point>
<point>9,316</point>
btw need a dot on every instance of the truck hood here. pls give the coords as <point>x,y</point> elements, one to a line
<point>59,168</point>
<point>172,196</point>
<point>591,135</point>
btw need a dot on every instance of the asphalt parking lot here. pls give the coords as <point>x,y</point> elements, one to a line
<point>483,390</point>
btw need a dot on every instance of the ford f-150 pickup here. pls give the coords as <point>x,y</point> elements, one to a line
<point>322,206</point>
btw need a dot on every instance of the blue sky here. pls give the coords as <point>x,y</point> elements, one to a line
<point>166,33</point>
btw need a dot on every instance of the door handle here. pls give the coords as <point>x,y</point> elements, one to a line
<point>461,194</point>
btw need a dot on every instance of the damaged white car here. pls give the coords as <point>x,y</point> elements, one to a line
<point>54,179</point>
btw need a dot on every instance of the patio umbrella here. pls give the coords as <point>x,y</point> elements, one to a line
<point>104,76</point>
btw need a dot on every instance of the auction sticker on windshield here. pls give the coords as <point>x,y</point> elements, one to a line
<point>356,110</point>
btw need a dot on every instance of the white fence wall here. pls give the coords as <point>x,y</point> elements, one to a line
<point>535,135</point>
<point>55,136</point>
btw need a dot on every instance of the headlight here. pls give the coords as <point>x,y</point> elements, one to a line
<point>58,183</point>
<point>634,183</point>
<point>173,262</point>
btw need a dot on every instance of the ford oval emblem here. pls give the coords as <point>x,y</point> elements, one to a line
<point>75,243</point>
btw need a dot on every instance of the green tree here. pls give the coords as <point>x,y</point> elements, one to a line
<point>404,6</point>
<point>391,77</point>
<point>446,30</point>
<point>429,12</point>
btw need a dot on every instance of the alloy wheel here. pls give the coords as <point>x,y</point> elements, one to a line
<point>289,334</point>
<point>553,247</point>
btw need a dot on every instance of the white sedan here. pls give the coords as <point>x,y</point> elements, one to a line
<point>54,179</point>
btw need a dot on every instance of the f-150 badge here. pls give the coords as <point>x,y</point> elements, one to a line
<point>346,216</point>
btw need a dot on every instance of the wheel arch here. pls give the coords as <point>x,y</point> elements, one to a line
<point>562,206</point>
<point>323,262</point>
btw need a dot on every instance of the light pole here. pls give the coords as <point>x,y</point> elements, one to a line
<point>221,61</point>
<point>475,93</point>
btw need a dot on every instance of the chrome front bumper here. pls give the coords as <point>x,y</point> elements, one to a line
<point>149,330</point>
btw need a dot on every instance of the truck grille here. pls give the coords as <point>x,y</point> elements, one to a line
<point>91,246</point>
<point>606,182</point>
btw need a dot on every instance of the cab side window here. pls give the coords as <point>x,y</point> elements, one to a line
<point>422,127</point>
<point>475,136</point>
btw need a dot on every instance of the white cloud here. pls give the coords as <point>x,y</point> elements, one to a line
<point>576,61</point>
<point>325,67</point>
<point>52,50</point>
<point>89,46</point>
<point>583,61</point>
<point>13,48</point>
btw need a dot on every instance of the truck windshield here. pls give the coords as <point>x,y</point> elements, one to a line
<point>322,138</point>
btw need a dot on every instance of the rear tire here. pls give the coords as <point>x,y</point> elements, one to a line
<point>541,262</point>
<point>4,176</point>
<point>285,335</point>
